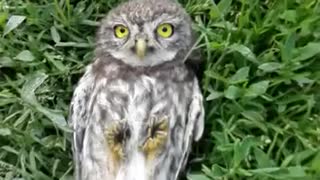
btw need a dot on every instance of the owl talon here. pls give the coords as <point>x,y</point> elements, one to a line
<point>157,133</point>
<point>116,136</point>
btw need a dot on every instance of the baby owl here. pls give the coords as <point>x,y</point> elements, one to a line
<point>138,107</point>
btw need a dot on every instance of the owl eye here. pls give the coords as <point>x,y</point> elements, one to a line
<point>120,31</point>
<point>165,30</point>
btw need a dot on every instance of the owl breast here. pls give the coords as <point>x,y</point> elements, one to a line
<point>137,99</point>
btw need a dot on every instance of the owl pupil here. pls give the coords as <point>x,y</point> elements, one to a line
<point>122,30</point>
<point>164,29</point>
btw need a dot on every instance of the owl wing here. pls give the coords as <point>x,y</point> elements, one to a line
<point>78,115</point>
<point>195,124</point>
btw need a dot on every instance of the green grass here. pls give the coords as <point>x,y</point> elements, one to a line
<point>261,82</point>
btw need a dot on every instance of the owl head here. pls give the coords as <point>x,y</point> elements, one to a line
<point>146,33</point>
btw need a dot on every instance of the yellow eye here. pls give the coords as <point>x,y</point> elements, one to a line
<point>165,30</point>
<point>121,31</point>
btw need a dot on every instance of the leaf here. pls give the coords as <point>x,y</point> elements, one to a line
<point>218,171</point>
<point>197,177</point>
<point>90,23</point>
<point>32,160</point>
<point>224,5</point>
<point>281,173</point>
<point>233,92</point>
<point>57,63</point>
<point>55,35</point>
<point>287,50</point>
<point>315,165</point>
<point>240,76</point>
<point>270,67</point>
<point>55,166</point>
<point>296,172</point>
<point>242,149</point>
<point>52,141</point>
<point>4,102</point>
<point>13,22</point>
<point>253,124</point>
<point>28,95</point>
<point>253,115</point>
<point>302,156</point>
<point>308,51</point>
<point>244,51</point>
<point>206,170</point>
<point>10,149</point>
<point>25,56</point>
<point>262,159</point>
<point>22,118</point>
<point>214,12</point>
<point>227,25</point>
<point>306,25</point>
<point>289,15</point>
<point>74,44</point>
<point>302,79</point>
<point>214,75</point>
<point>29,87</point>
<point>267,170</point>
<point>220,9</point>
<point>5,132</point>
<point>214,95</point>
<point>6,97</point>
<point>243,172</point>
<point>3,18</point>
<point>216,45</point>
<point>257,89</point>
<point>6,62</point>
<point>56,117</point>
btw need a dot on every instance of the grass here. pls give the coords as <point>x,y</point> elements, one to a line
<point>261,83</point>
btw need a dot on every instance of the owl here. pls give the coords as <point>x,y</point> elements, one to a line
<point>138,107</point>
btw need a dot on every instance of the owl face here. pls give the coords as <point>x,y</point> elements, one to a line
<point>146,32</point>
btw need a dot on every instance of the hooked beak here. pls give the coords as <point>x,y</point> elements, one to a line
<point>141,47</point>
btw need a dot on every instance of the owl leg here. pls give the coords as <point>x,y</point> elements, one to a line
<point>117,135</point>
<point>157,132</point>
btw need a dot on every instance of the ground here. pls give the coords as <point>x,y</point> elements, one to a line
<point>260,79</point>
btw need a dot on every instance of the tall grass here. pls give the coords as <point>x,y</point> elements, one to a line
<point>261,80</point>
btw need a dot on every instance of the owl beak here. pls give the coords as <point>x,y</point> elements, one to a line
<point>141,46</point>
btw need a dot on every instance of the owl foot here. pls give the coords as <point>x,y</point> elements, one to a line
<point>117,135</point>
<point>157,132</point>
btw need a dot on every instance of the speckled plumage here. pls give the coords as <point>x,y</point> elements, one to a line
<point>137,120</point>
